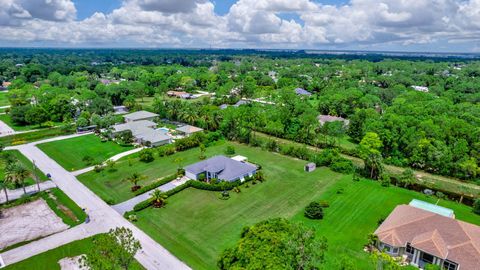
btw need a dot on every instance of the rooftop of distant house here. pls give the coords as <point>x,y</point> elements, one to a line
<point>226,168</point>
<point>302,92</point>
<point>140,115</point>
<point>187,129</point>
<point>330,118</point>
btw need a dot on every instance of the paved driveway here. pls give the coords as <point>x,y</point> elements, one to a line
<point>103,217</point>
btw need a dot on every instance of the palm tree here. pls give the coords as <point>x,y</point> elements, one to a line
<point>134,179</point>
<point>158,198</point>
<point>15,173</point>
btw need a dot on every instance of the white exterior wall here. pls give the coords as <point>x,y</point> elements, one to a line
<point>191,175</point>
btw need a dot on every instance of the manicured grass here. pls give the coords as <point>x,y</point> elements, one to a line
<point>49,260</point>
<point>4,99</point>
<point>7,120</point>
<point>196,225</point>
<point>70,213</point>
<point>26,163</point>
<point>21,138</point>
<point>112,186</point>
<point>70,153</point>
<point>354,212</point>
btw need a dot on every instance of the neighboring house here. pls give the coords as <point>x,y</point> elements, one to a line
<point>425,233</point>
<point>302,92</point>
<point>179,94</point>
<point>222,168</point>
<point>140,115</point>
<point>144,132</point>
<point>188,130</point>
<point>6,85</point>
<point>240,103</point>
<point>328,118</point>
<point>120,109</point>
<point>420,88</point>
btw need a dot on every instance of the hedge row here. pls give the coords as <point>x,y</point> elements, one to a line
<point>145,204</point>
<point>160,182</point>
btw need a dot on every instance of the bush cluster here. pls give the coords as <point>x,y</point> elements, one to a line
<point>314,211</point>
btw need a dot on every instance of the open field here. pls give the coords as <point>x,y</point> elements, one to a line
<point>112,186</point>
<point>354,212</point>
<point>71,152</point>
<point>26,137</point>
<point>196,225</point>
<point>26,163</point>
<point>432,180</point>
<point>4,99</point>
<point>49,260</point>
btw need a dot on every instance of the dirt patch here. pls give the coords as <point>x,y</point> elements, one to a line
<point>70,263</point>
<point>27,222</point>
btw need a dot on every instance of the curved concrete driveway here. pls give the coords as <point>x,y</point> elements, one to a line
<point>103,217</point>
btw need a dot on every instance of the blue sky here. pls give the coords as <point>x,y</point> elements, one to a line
<point>390,25</point>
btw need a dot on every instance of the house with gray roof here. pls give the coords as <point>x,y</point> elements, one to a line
<point>144,132</point>
<point>330,118</point>
<point>222,168</point>
<point>140,115</point>
<point>302,92</point>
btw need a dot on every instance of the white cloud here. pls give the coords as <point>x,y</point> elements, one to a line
<point>249,23</point>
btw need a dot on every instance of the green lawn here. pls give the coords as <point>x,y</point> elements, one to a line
<point>355,213</point>
<point>7,120</point>
<point>70,153</point>
<point>112,186</point>
<point>49,260</point>
<point>4,99</point>
<point>26,163</point>
<point>70,213</point>
<point>196,225</point>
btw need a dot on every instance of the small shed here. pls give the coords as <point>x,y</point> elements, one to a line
<point>310,167</point>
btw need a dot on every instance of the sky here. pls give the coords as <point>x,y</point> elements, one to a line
<point>375,25</point>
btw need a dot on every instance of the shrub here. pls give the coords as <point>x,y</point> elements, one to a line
<point>385,180</point>
<point>230,150</point>
<point>146,155</point>
<point>476,206</point>
<point>132,218</point>
<point>98,168</point>
<point>159,182</point>
<point>314,211</point>
<point>192,141</point>
<point>88,160</point>
<point>343,165</point>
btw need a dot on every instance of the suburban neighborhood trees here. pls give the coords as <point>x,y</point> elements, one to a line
<point>275,244</point>
<point>113,250</point>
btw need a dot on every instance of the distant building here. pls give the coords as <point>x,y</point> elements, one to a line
<point>188,130</point>
<point>240,103</point>
<point>144,132</point>
<point>329,118</point>
<point>425,233</point>
<point>120,109</point>
<point>420,88</point>
<point>179,94</point>
<point>302,92</point>
<point>140,115</point>
<point>6,85</point>
<point>222,168</point>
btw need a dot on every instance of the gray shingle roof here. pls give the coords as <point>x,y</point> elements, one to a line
<point>227,168</point>
<point>137,127</point>
<point>139,115</point>
<point>154,136</point>
<point>301,91</point>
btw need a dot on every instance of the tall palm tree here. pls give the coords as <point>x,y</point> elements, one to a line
<point>16,173</point>
<point>158,198</point>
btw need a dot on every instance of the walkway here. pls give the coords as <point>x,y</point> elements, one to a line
<point>102,218</point>
<point>128,205</point>
<point>114,158</point>
<point>17,193</point>
<point>5,130</point>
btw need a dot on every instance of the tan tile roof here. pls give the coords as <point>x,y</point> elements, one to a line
<point>441,236</point>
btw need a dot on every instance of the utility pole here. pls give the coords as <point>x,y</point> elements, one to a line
<point>35,176</point>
